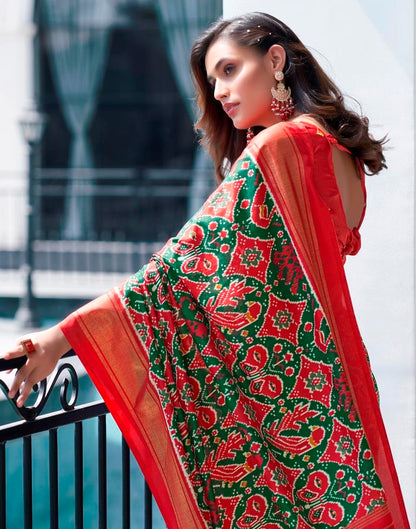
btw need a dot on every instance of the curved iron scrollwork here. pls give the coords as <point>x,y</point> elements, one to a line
<point>67,377</point>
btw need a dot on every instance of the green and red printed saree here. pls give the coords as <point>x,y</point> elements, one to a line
<point>233,363</point>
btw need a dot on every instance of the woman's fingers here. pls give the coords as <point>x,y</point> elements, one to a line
<point>25,390</point>
<point>43,350</point>
<point>18,381</point>
<point>16,352</point>
<point>21,374</point>
<point>23,383</point>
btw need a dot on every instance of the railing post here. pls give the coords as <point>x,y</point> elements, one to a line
<point>53,478</point>
<point>79,491</point>
<point>125,453</point>
<point>102,473</point>
<point>148,515</point>
<point>27,482</point>
<point>2,485</point>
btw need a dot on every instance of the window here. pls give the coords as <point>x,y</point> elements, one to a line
<point>140,140</point>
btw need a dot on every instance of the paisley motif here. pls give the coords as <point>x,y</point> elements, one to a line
<point>251,396</point>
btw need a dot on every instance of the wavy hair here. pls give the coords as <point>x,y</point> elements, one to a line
<point>313,92</point>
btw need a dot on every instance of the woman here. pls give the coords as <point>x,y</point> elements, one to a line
<point>232,362</point>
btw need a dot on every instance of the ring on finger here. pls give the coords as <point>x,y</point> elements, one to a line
<point>28,346</point>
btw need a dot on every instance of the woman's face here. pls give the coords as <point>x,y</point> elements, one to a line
<point>242,79</point>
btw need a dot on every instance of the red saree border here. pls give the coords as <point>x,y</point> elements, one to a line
<point>111,352</point>
<point>380,518</point>
<point>285,158</point>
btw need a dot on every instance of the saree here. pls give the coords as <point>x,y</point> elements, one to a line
<point>233,363</point>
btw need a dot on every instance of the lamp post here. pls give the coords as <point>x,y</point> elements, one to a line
<point>32,126</point>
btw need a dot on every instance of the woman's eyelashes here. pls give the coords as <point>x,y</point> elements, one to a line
<point>228,69</point>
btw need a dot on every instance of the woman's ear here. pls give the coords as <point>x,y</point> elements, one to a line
<point>277,56</point>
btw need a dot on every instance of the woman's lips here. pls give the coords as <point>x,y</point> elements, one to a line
<point>230,108</point>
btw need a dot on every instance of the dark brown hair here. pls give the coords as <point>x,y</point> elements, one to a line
<point>314,93</point>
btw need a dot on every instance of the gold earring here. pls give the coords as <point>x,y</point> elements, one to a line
<point>282,103</point>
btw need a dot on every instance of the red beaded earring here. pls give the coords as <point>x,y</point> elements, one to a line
<point>249,135</point>
<point>282,102</point>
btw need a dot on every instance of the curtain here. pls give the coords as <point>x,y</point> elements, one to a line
<point>77,34</point>
<point>182,21</point>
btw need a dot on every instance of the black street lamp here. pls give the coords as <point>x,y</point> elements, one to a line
<point>32,126</point>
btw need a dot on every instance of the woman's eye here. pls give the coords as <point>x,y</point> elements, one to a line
<point>228,69</point>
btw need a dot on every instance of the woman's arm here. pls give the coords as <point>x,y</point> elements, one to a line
<point>50,345</point>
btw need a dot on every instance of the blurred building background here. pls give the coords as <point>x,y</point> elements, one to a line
<point>99,166</point>
<point>117,166</point>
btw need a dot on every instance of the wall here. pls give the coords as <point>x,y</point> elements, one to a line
<point>360,46</point>
<point>15,90</point>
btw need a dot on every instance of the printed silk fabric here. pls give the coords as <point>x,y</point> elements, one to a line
<point>242,362</point>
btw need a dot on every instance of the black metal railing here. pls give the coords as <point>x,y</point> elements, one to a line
<point>76,415</point>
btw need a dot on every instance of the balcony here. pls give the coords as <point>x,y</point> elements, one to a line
<point>64,463</point>
<point>133,213</point>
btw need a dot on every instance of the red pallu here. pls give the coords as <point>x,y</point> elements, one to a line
<point>233,364</point>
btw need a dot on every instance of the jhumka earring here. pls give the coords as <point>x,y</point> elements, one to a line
<point>282,102</point>
<point>249,135</point>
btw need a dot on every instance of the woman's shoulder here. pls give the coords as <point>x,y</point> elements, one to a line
<point>303,127</point>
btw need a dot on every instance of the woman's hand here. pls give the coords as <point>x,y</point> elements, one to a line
<point>50,345</point>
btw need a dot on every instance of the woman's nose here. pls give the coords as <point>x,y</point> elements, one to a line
<point>220,90</point>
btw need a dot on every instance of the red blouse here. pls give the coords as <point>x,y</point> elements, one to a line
<point>349,240</point>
